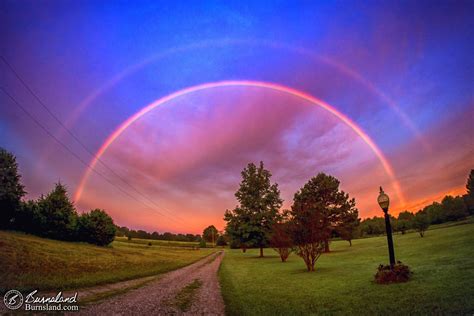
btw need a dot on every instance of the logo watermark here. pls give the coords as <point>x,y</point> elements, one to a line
<point>13,300</point>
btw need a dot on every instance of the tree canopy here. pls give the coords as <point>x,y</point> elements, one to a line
<point>11,189</point>
<point>259,202</point>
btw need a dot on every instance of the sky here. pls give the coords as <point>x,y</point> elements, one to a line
<point>150,110</point>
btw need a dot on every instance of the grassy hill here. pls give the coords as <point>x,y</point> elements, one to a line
<point>443,280</point>
<point>28,262</point>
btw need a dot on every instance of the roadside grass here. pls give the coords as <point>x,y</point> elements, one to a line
<point>185,296</point>
<point>28,262</point>
<point>443,280</point>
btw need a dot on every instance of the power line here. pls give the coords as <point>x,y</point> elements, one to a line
<point>17,75</point>
<point>74,154</point>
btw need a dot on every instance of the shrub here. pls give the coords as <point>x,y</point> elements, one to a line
<point>202,244</point>
<point>399,273</point>
<point>96,227</point>
<point>281,240</point>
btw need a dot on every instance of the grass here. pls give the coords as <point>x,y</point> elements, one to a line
<point>28,262</point>
<point>185,296</point>
<point>443,280</point>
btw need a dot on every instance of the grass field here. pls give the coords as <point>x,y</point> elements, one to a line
<point>28,262</point>
<point>443,280</point>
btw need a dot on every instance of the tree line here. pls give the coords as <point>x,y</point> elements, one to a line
<point>52,215</point>
<point>141,234</point>
<point>450,209</point>
<point>319,213</point>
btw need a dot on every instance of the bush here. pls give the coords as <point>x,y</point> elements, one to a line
<point>399,273</point>
<point>96,227</point>
<point>202,244</point>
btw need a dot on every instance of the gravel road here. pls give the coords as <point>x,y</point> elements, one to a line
<point>156,297</point>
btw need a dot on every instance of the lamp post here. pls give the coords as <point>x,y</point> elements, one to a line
<point>384,201</point>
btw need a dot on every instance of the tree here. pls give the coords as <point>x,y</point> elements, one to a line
<point>469,196</point>
<point>317,209</point>
<point>470,183</point>
<point>210,234</point>
<point>421,222</point>
<point>281,240</point>
<point>373,226</point>
<point>58,216</point>
<point>221,241</point>
<point>435,213</point>
<point>11,189</point>
<point>96,227</point>
<point>259,201</point>
<point>454,208</point>
<point>348,228</point>
<point>405,221</point>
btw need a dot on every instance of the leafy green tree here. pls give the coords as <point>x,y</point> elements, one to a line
<point>221,241</point>
<point>96,227</point>
<point>454,208</point>
<point>210,234</point>
<point>405,221</point>
<point>348,227</point>
<point>317,208</point>
<point>259,201</point>
<point>435,212</point>
<point>57,215</point>
<point>11,189</point>
<point>373,226</point>
<point>421,222</point>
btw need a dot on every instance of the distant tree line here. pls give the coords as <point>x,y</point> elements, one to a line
<point>450,209</point>
<point>53,215</point>
<point>141,234</point>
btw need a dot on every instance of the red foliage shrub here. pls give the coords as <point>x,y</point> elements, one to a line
<point>399,273</point>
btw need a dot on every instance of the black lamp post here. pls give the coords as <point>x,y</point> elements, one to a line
<point>384,201</point>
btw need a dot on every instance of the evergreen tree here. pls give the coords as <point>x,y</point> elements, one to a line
<point>11,189</point>
<point>259,202</point>
<point>317,209</point>
<point>58,216</point>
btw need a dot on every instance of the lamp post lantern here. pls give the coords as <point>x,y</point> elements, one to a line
<point>384,202</point>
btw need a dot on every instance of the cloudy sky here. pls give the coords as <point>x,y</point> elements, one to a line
<point>165,102</point>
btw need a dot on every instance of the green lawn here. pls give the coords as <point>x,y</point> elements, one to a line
<point>28,262</point>
<point>443,280</point>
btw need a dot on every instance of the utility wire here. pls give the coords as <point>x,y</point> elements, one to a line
<point>74,154</point>
<point>17,75</point>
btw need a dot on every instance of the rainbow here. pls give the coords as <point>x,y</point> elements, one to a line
<point>259,84</point>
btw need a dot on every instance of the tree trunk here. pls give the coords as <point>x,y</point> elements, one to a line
<point>261,252</point>
<point>326,245</point>
<point>350,242</point>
